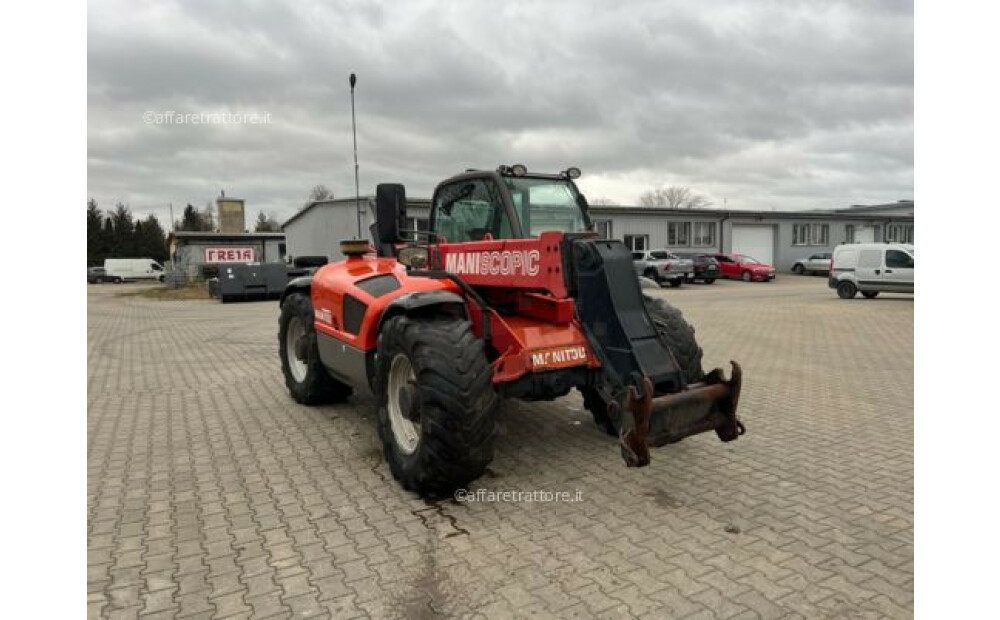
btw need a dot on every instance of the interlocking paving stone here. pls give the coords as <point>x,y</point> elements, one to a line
<point>212,494</point>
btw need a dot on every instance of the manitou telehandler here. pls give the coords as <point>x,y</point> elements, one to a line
<point>509,294</point>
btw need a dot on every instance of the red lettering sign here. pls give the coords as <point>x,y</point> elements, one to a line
<point>229,255</point>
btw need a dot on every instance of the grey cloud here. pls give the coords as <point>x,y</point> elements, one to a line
<point>769,104</point>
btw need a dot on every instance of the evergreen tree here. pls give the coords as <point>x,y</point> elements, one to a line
<point>150,239</point>
<point>191,219</point>
<point>95,237</point>
<point>123,238</point>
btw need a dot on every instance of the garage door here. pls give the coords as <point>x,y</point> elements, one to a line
<point>756,241</point>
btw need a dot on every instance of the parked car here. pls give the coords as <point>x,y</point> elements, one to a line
<point>706,268</point>
<point>743,267</point>
<point>662,266</point>
<point>133,269</point>
<point>870,268</point>
<point>817,263</point>
<point>96,275</point>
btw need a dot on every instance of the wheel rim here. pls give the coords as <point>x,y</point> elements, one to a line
<point>401,395</point>
<point>746,276</point>
<point>295,331</point>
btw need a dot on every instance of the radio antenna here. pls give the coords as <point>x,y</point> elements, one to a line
<point>354,129</point>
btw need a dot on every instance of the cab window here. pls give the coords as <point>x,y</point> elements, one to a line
<point>155,267</point>
<point>898,260</point>
<point>468,210</point>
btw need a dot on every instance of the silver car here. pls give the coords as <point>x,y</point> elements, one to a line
<point>816,263</point>
<point>662,266</point>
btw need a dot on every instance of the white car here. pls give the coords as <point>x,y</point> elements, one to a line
<point>871,268</point>
<point>133,269</point>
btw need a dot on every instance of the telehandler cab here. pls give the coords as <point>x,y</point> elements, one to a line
<point>510,294</point>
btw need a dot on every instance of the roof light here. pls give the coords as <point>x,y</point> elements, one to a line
<point>519,170</point>
<point>573,173</point>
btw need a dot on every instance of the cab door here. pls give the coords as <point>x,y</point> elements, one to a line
<point>470,210</point>
<point>898,271</point>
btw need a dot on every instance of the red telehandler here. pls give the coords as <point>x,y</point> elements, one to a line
<point>509,294</point>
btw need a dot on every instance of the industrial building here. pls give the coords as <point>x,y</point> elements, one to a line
<point>776,237</point>
<point>190,250</point>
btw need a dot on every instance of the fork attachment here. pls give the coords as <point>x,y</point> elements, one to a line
<point>658,420</point>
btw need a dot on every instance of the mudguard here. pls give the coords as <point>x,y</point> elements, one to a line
<point>410,302</point>
<point>300,284</point>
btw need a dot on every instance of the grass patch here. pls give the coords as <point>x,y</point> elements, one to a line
<point>195,291</point>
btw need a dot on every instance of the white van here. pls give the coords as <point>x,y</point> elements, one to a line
<point>119,269</point>
<point>871,268</point>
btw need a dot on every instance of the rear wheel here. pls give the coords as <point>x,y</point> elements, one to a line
<point>305,376</point>
<point>679,335</point>
<point>709,280</point>
<point>652,275</point>
<point>436,403</point>
<point>847,290</point>
<point>676,282</point>
<point>870,294</point>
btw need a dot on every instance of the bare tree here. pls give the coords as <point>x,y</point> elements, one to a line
<point>603,202</point>
<point>320,192</point>
<point>674,197</point>
<point>266,222</point>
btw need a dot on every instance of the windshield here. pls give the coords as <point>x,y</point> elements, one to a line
<point>545,204</point>
<point>660,255</point>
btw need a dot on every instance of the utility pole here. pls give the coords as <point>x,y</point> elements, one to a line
<point>173,226</point>
<point>354,130</point>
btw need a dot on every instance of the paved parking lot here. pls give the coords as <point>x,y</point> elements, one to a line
<point>212,494</point>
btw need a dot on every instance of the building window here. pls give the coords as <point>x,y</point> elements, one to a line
<point>637,242</point>
<point>704,234</point>
<point>282,249</point>
<point>849,233</point>
<point>899,233</point>
<point>679,233</point>
<point>603,228</point>
<point>810,234</point>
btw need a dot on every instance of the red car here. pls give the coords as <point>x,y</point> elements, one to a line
<point>743,267</point>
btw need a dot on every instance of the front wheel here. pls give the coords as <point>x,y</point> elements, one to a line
<point>305,376</point>
<point>709,280</point>
<point>847,290</point>
<point>798,269</point>
<point>436,403</point>
<point>746,277</point>
<point>652,275</point>
<point>676,282</point>
<point>870,294</point>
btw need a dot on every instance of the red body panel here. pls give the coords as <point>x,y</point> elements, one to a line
<point>523,274</point>
<point>526,264</point>
<point>333,281</point>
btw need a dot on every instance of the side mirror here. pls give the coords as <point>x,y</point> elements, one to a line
<point>390,216</point>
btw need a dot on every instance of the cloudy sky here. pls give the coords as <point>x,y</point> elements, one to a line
<point>759,105</point>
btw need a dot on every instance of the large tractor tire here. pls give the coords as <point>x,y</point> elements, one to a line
<point>436,403</point>
<point>679,334</point>
<point>307,380</point>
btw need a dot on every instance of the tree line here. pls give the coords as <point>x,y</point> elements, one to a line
<point>116,234</point>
